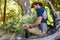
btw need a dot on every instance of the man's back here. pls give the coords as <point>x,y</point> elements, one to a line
<point>42,12</point>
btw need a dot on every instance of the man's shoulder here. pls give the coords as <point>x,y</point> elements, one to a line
<point>40,12</point>
<point>40,9</point>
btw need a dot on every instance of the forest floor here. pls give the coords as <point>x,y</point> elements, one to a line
<point>18,37</point>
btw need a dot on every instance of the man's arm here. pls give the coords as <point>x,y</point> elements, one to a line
<point>38,21</point>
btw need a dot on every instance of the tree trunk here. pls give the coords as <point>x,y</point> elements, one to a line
<point>23,6</point>
<point>4,16</point>
<point>57,37</point>
<point>51,5</point>
<point>0,11</point>
<point>28,7</point>
<point>19,5</point>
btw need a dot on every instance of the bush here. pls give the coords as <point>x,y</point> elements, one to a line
<point>16,24</point>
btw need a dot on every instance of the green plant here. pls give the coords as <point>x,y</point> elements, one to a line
<point>16,25</point>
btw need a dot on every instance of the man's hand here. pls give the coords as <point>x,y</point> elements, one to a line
<point>26,26</point>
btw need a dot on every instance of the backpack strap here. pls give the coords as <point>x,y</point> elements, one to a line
<point>45,17</point>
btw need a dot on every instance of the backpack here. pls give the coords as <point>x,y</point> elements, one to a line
<point>49,18</point>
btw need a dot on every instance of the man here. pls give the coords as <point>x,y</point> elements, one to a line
<point>40,26</point>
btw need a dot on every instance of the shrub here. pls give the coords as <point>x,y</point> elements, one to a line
<point>16,24</point>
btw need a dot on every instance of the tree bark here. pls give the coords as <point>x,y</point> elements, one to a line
<point>50,5</point>
<point>1,10</point>
<point>19,5</point>
<point>23,6</point>
<point>28,7</point>
<point>4,16</point>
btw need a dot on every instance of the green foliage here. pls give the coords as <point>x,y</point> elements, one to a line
<point>16,24</point>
